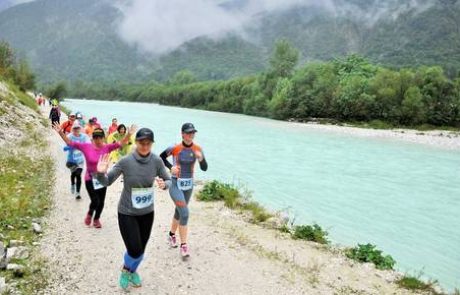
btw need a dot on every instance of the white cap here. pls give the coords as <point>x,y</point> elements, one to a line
<point>76,124</point>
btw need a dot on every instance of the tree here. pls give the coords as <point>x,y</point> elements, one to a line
<point>284,59</point>
<point>412,108</point>
<point>24,76</point>
<point>57,91</point>
<point>279,104</point>
<point>182,78</point>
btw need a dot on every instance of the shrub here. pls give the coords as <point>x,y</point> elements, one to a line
<point>312,233</point>
<point>415,283</point>
<point>369,253</point>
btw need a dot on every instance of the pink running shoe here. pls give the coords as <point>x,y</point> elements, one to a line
<point>97,223</point>
<point>172,241</point>
<point>184,251</point>
<point>88,220</point>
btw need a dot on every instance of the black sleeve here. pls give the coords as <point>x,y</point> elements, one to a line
<point>164,157</point>
<point>204,165</point>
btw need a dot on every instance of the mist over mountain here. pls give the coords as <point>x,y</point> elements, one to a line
<point>138,40</point>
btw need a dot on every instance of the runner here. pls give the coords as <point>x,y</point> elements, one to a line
<point>75,159</point>
<point>79,116</point>
<point>184,156</point>
<point>92,152</point>
<point>89,128</point>
<point>55,115</point>
<point>67,126</point>
<point>113,127</point>
<point>117,136</point>
<point>135,208</point>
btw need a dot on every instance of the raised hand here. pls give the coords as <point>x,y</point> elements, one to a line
<point>57,127</point>
<point>132,129</point>
<point>198,155</point>
<point>161,183</point>
<point>103,164</point>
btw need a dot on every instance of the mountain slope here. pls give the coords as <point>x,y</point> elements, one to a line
<point>78,40</point>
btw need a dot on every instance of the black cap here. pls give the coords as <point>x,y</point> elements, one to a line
<point>144,133</point>
<point>188,128</point>
<point>98,132</point>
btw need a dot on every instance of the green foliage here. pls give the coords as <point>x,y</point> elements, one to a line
<point>57,91</point>
<point>350,89</point>
<point>312,233</point>
<point>15,70</point>
<point>284,59</point>
<point>26,188</point>
<point>414,283</point>
<point>233,199</point>
<point>369,253</point>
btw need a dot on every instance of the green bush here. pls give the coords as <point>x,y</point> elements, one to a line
<point>233,199</point>
<point>312,233</point>
<point>369,253</point>
<point>415,283</point>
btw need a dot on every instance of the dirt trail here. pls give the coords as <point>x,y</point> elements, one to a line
<point>229,256</point>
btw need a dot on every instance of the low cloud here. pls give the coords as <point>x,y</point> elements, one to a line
<point>159,26</point>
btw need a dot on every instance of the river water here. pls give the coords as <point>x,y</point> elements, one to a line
<point>403,197</point>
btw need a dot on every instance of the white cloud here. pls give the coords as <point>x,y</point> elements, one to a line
<point>161,25</point>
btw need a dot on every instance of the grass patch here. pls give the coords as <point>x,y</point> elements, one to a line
<point>313,233</point>
<point>26,185</point>
<point>234,199</point>
<point>414,283</point>
<point>370,254</point>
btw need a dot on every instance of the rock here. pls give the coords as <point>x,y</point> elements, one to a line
<point>20,252</point>
<point>3,286</point>
<point>2,249</point>
<point>36,220</point>
<point>10,227</point>
<point>15,243</point>
<point>16,268</point>
<point>36,227</point>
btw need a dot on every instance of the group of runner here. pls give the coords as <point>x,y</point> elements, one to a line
<point>129,154</point>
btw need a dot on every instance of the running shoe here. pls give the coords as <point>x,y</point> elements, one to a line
<point>184,251</point>
<point>135,280</point>
<point>172,241</point>
<point>78,197</point>
<point>97,223</point>
<point>72,189</point>
<point>88,219</point>
<point>124,279</point>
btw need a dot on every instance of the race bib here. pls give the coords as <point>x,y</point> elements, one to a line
<point>185,184</point>
<point>142,197</point>
<point>96,184</point>
<point>78,157</point>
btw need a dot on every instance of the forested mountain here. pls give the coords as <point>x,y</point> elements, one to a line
<point>78,39</point>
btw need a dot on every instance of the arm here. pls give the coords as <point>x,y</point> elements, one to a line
<point>201,159</point>
<point>102,176</point>
<point>164,156</point>
<point>61,133</point>
<point>203,164</point>
<point>128,135</point>
<point>163,174</point>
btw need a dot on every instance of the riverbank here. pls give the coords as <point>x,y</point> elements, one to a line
<point>230,255</point>
<point>449,140</point>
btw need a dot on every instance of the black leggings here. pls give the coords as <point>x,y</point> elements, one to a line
<point>97,199</point>
<point>76,177</point>
<point>135,231</point>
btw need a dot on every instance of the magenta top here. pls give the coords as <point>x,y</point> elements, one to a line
<point>92,154</point>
